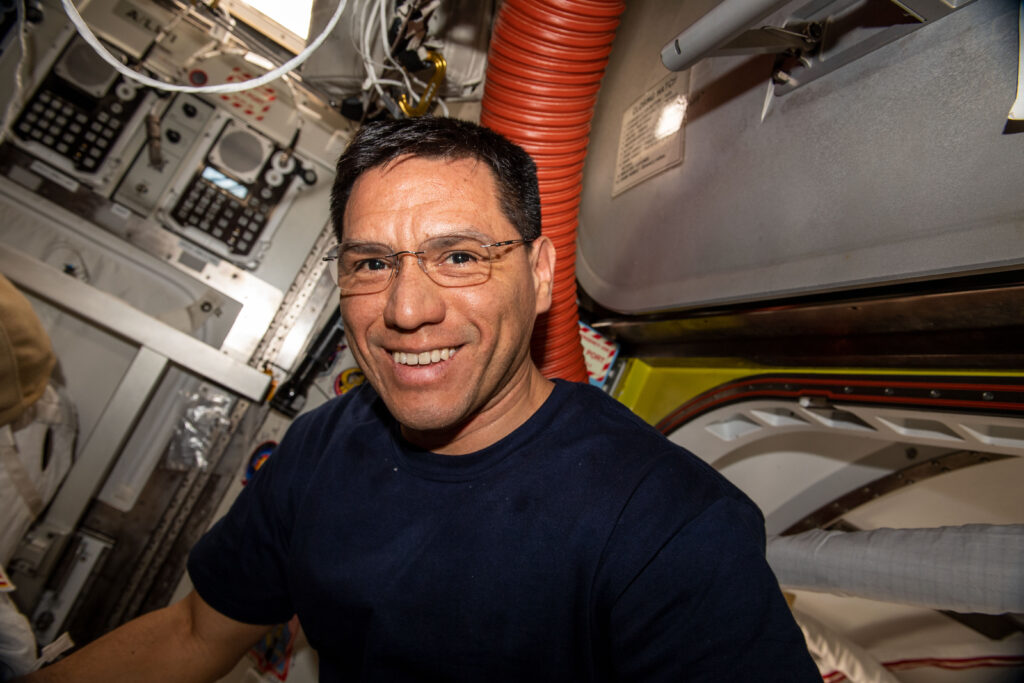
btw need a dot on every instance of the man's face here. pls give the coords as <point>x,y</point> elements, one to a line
<point>484,330</point>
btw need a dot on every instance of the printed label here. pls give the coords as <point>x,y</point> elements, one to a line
<point>651,137</point>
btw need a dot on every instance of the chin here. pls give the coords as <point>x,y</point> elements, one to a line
<point>426,417</point>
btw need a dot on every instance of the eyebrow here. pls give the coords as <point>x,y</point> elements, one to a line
<point>368,246</point>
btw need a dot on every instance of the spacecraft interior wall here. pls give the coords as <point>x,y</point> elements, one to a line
<point>147,196</point>
<point>229,189</point>
<point>897,166</point>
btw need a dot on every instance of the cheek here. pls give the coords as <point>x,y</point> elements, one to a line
<point>357,320</point>
<point>510,313</point>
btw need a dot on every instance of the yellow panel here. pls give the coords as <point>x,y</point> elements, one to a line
<point>654,387</point>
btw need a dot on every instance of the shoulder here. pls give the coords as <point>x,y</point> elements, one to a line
<point>592,410</point>
<point>664,512</point>
<point>315,436</point>
<point>633,454</point>
<point>359,407</point>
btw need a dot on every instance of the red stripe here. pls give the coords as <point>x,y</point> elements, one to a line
<point>923,384</point>
<point>953,664</point>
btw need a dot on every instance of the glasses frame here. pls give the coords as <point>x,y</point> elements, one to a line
<point>333,255</point>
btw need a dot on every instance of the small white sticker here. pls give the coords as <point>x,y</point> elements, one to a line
<point>53,174</point>
<point>651,136</point>
<point>120,211</point>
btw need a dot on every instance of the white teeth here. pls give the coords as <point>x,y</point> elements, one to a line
<point>423,358</point>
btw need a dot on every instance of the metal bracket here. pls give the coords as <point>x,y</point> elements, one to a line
<point>847,30</point>
<point>793,39</point>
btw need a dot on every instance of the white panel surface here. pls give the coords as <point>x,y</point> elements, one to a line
<point>892,168</point>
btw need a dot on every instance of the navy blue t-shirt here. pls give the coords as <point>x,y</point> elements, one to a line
<point>584,546</point>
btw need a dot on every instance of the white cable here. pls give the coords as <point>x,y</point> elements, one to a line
<point>387,48</point>
<point>364,26</point>
<point>388,81</point>
<point>353,25</point>
<point>364,32</point>
<point>367,54</point>
<point>285,68</point>
<point>364,19</point>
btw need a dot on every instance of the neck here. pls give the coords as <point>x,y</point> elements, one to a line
<point>491,423</point>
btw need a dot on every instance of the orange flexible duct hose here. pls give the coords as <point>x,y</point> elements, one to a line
<point>544,68</point>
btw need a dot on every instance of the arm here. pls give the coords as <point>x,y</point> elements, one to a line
<point>706,607</point>
<point>184,642</point>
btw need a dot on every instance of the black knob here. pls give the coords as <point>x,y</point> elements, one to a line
<point>189,109</point>
<point>173,136</point>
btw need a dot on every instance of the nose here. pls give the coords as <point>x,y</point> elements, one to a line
<point>414,299</point>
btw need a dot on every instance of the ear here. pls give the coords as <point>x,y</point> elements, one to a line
<point>542,265</point>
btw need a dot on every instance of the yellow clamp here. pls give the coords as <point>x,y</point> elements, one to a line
<point>432,87</point>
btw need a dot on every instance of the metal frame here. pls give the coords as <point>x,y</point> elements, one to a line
<point>159,345</point>
<point>99,219</point>
<point>115,316</point>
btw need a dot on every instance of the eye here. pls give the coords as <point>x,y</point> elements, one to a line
<point>459,258</point>
<point>370,265</point>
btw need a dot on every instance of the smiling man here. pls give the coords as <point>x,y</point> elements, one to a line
<point>445,337</point>
<point>460,517</point>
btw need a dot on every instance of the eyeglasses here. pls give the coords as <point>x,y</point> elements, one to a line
<point>450,261</point>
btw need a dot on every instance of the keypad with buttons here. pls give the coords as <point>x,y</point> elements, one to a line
<point>76,125</point>
<point>236,222</point>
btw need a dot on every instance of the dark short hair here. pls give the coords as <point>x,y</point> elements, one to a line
<point>377,144</point>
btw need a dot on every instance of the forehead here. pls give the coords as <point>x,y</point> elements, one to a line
<point>415,197</point>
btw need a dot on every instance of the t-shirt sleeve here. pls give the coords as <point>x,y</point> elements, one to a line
<point>239,567</point>
<point>699,602</point>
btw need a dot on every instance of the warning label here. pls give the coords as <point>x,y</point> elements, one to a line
<point>599,354</point>
<point>651,137</point>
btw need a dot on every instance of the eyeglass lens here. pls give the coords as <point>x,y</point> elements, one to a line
<point>449,261</point>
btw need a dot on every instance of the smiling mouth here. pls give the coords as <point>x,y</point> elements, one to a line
<point>424,357</point>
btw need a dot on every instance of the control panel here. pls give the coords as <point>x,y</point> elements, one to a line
<point>204,181</point>
<point>233,201</point>
<point>77,117</point>
<point>163,146</point>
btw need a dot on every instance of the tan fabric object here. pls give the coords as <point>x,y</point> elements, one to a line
<point>26,357</point>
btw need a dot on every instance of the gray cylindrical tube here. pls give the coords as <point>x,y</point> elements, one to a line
<point>974,568</point>
<point>720,25</point>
